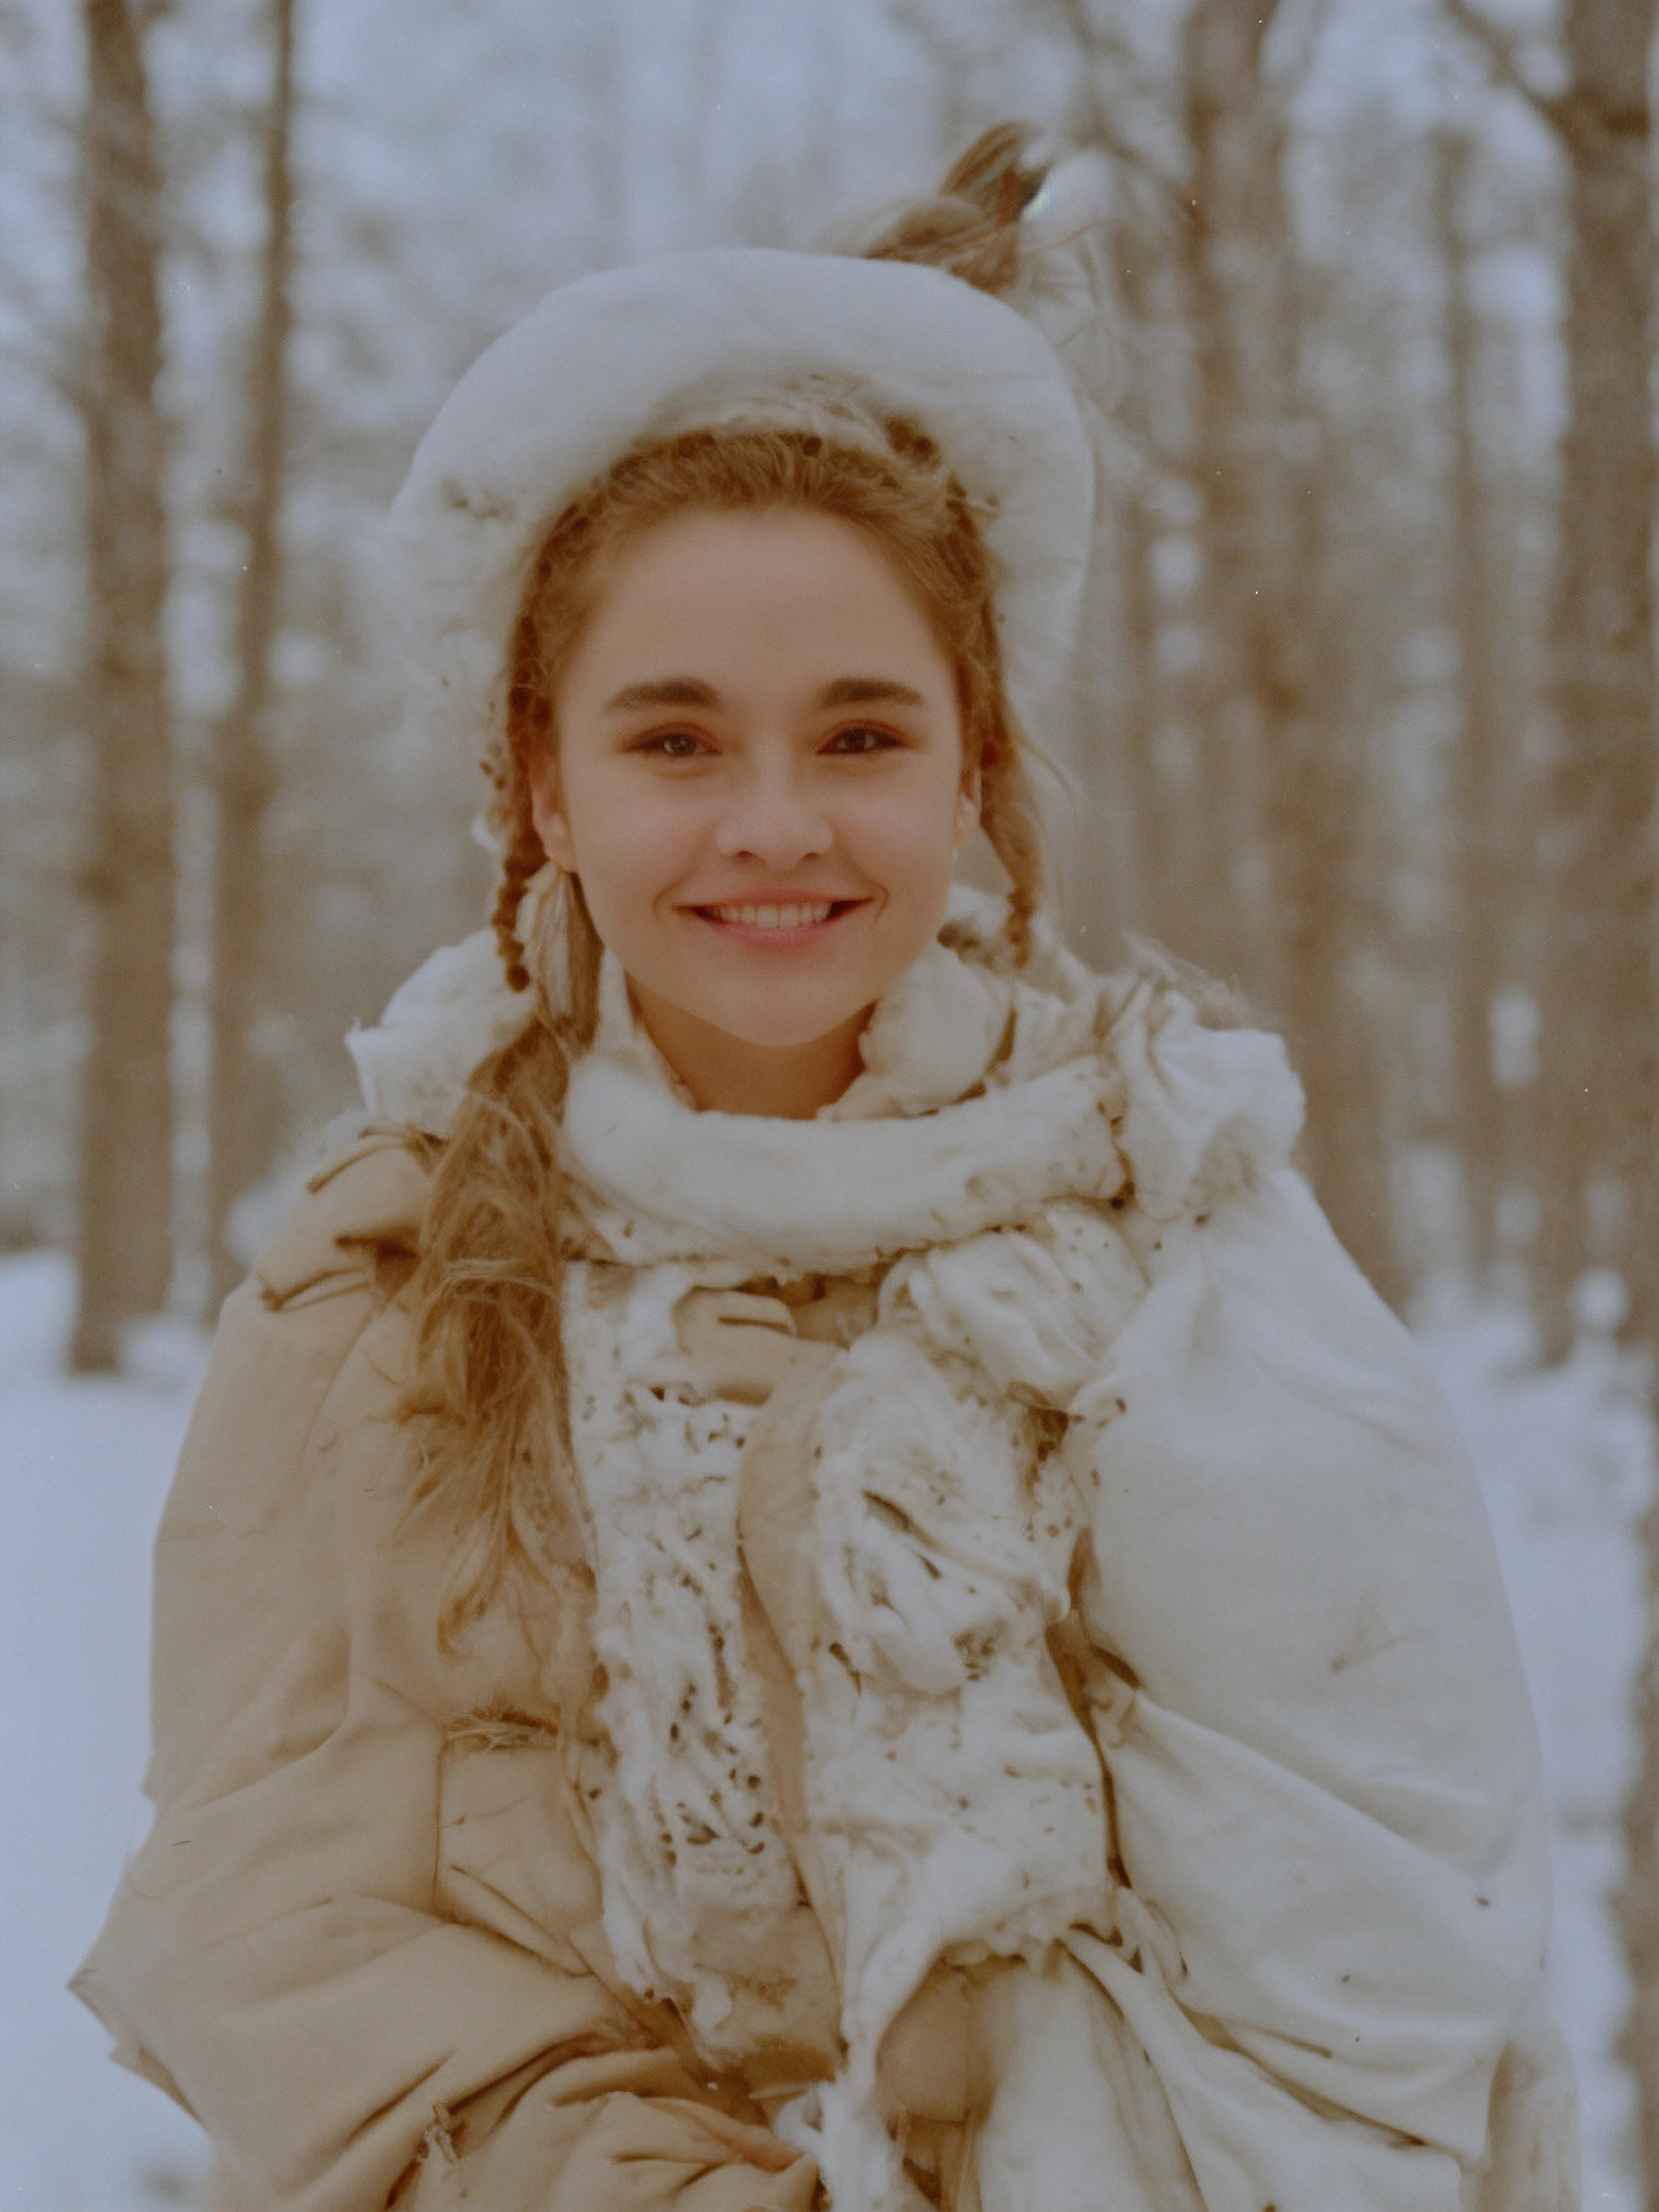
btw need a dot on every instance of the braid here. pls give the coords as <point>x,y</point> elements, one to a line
<point>1008,816</point>
<point>529,722</point>
<point>524,859</point>
<point>1008,812</point>
<point>489,1403</point>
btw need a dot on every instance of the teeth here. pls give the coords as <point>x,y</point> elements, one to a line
<point>776,917</point>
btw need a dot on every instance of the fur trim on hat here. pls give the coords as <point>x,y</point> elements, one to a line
<point>736,333</point>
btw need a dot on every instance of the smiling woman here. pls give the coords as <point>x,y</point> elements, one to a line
<point>762,852</point>
<point>806,1577</point>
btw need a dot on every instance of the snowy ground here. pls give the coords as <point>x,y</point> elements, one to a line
<point>83,1466</point>
<point>1566,1462</point>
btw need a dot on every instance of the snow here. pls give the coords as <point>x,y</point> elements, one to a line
<point>1566,1463</point>
<point>1566,1458</point>
<point>83,1468</point>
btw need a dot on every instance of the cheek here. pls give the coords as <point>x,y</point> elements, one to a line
<point>628,855</point>
<point>915,839</point>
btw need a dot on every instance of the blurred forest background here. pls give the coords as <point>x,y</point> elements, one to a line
<point>1366,716</point>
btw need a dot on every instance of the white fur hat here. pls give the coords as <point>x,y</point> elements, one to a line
<point>733,334</point>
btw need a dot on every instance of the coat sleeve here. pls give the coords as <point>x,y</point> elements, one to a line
<point>1327,1786</point>
<point>279,1957</point>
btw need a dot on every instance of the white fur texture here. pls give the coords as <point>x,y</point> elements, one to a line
<point>452,1012</point>
<point>954,1797</point>
<point>1073,199</point>
<point>733,334</point>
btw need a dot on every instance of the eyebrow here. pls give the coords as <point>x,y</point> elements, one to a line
<point>869,691</point>
<point>670,691</point>
<point>689,691</point>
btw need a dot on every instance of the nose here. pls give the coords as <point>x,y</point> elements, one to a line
<point>773,816</point>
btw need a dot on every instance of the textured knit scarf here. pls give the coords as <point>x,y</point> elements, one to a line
<point>977,1172</point>
<point>977,1175</point>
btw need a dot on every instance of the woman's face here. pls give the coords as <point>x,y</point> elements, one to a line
<point>759,781</point>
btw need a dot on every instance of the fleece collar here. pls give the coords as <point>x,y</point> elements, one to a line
<point>903,1161</point>
<point>987,1093</point>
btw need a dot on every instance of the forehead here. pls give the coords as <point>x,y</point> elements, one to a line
<point>789,582</point>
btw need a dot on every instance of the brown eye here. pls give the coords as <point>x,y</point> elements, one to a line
<point>862,737</point>
<point>674,745</point>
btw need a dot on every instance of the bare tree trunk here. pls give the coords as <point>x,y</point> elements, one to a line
<point>1166,889</point>
<point>1157,718</point>
<point>242,768</point>
<point>1138,760</point>
<point>1602,1004</point>
<point>1601,1013</point>
<point>1237,262</point>
<point>1482,887</point>
<point>125,1242</point>
<point>1331,876</point>
<point>1600,1064</point>
<point>1285,789</point>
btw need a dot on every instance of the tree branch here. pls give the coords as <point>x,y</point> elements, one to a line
<point>1301,39</point>
<point>1092,47</point>
<point>1504,63</point>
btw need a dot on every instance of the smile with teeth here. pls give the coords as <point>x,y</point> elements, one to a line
<point>801,916</point>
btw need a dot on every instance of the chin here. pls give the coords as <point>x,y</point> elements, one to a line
<point>786,1033</point>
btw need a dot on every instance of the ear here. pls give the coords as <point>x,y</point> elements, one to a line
<point>548,814</point>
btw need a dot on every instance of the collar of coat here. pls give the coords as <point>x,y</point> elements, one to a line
<point>987,1092</point>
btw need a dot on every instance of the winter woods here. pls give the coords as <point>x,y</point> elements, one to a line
<point>123,1234</point>
<point>1366,720</point>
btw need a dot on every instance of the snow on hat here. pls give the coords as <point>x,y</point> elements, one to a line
<point>733,334</point>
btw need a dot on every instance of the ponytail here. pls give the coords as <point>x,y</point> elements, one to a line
<point>970,227</point>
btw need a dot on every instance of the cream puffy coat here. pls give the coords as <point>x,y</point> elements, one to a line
<point>1059,1739</point>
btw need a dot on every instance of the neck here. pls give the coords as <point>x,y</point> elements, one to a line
<point>727,1075</point>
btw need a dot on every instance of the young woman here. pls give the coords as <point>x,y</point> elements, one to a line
<point>806,1576</point>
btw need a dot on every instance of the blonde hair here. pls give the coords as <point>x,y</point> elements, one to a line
<point>488,1404</point>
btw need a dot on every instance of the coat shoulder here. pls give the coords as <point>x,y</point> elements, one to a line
<point>307,1345</point>
<point>358,1220</point>
<point>286,1337</point>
